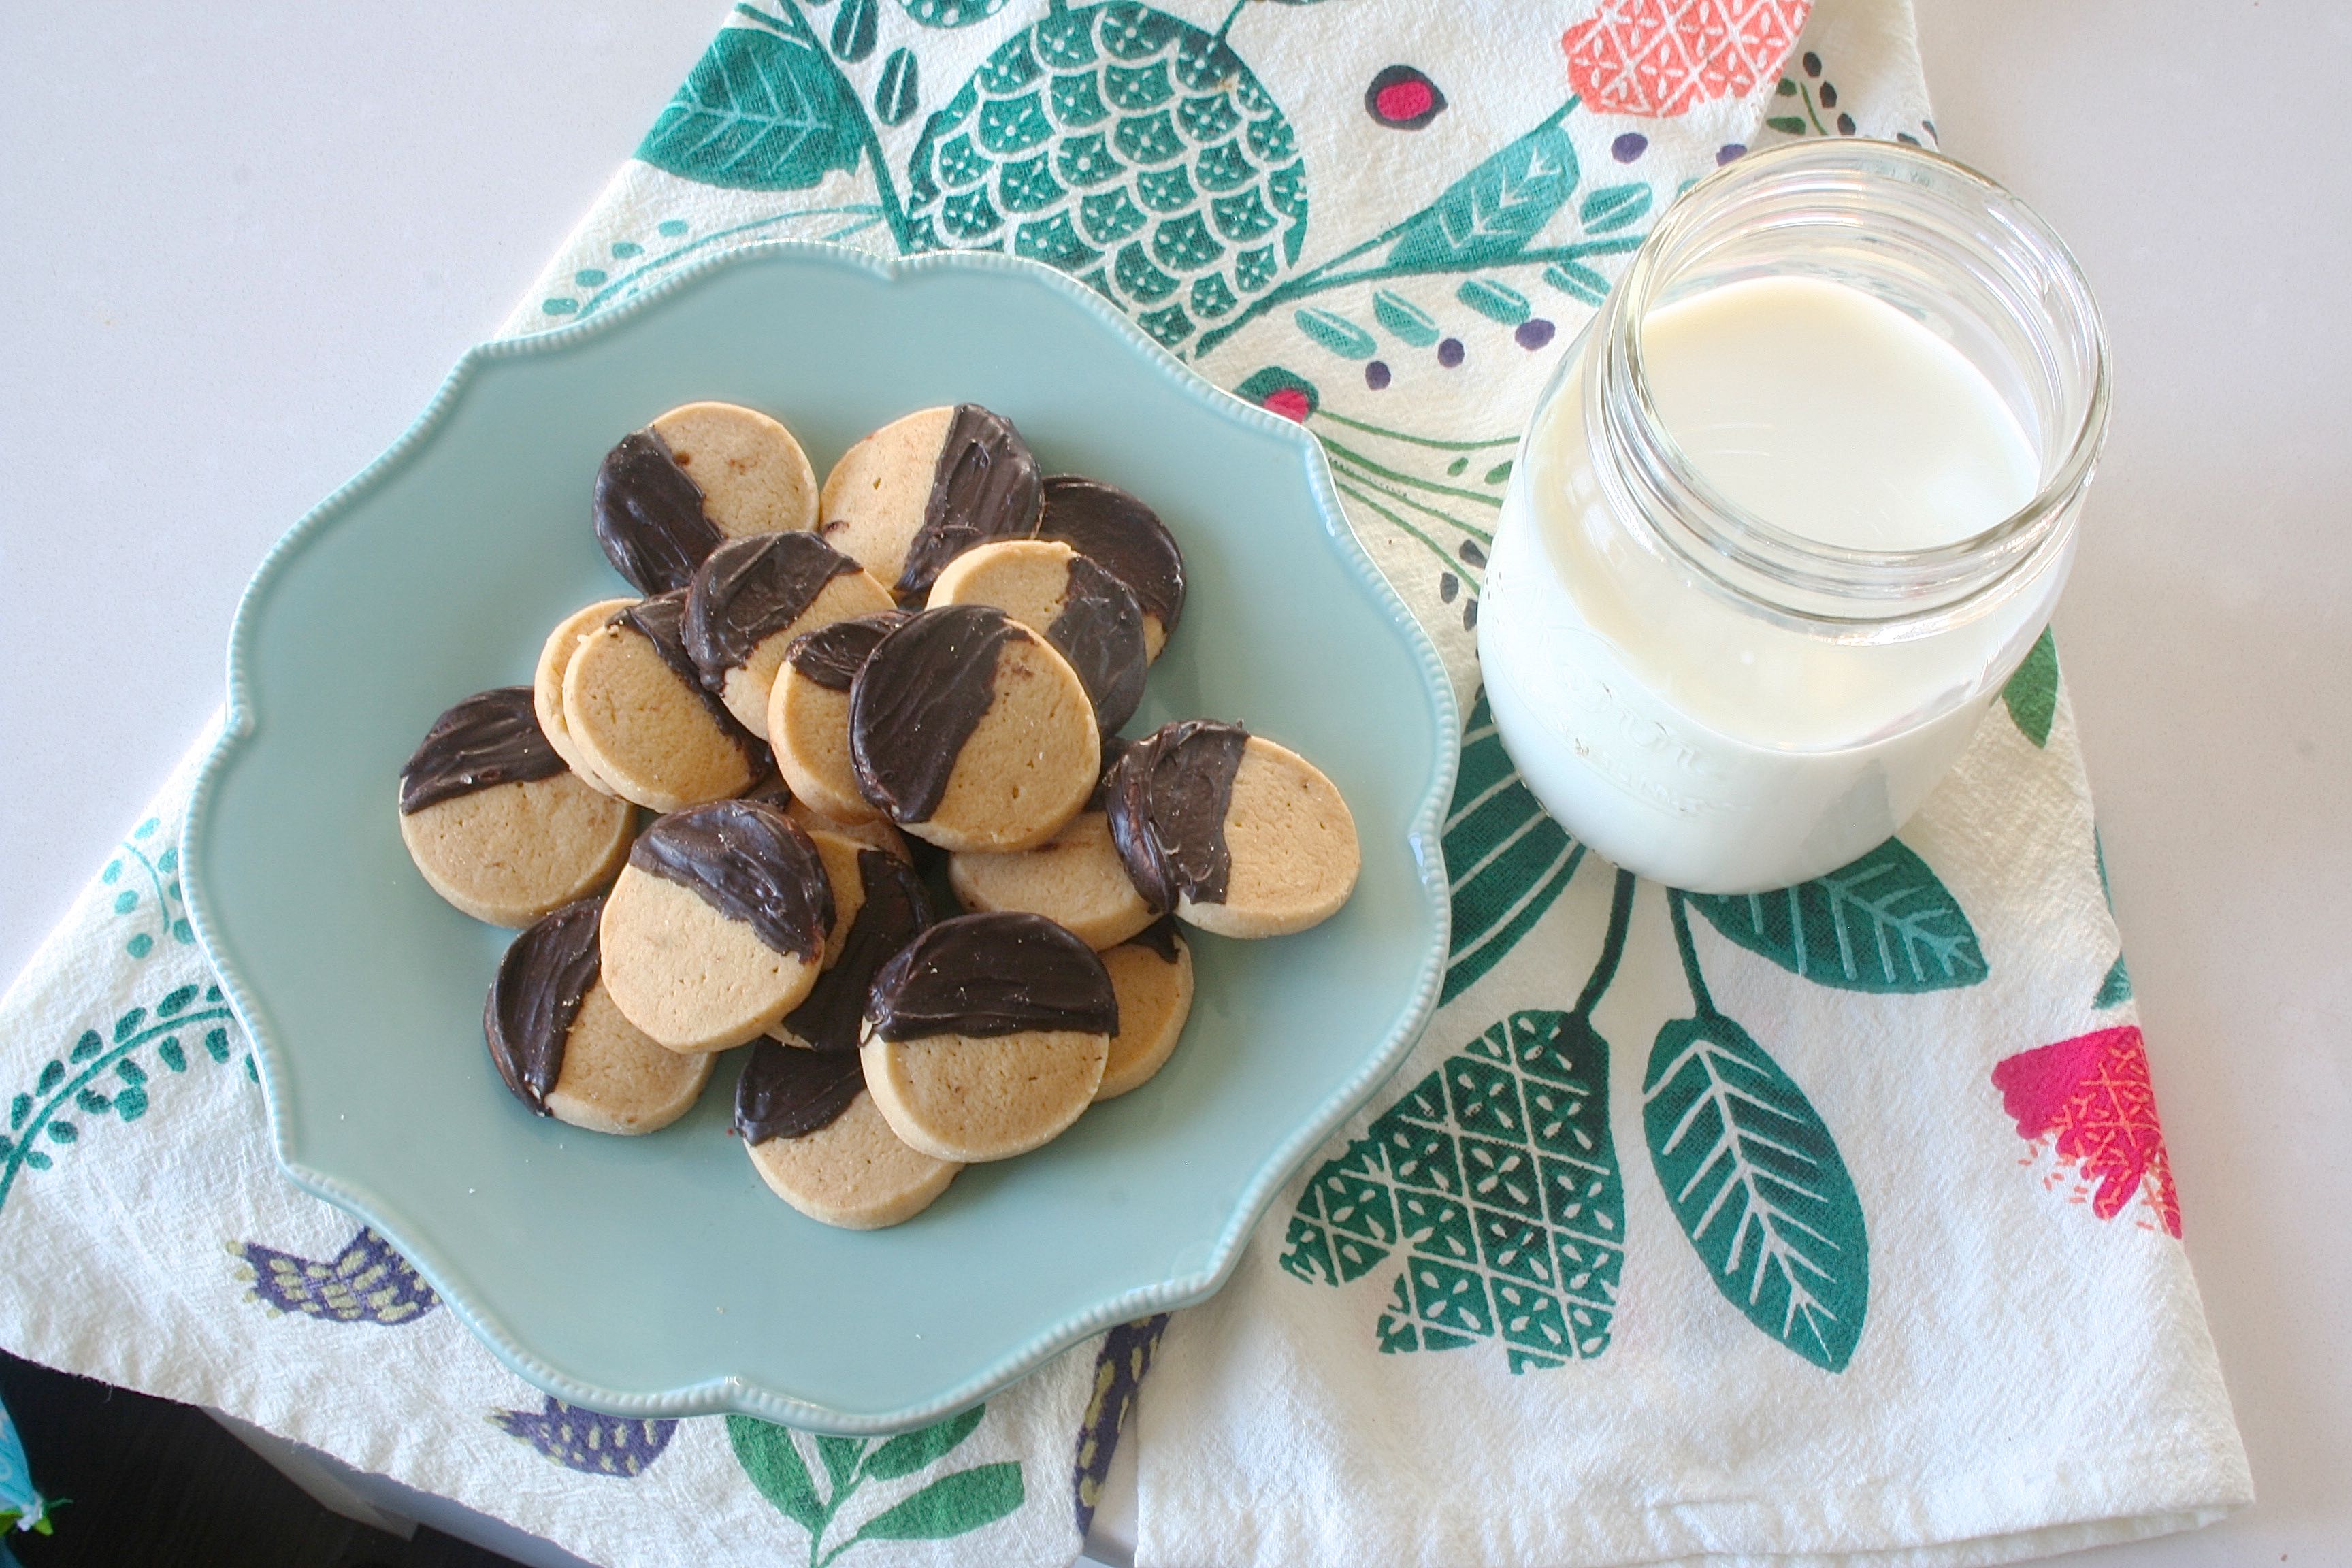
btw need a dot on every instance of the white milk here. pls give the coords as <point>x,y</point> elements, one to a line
<point>1683,735</point>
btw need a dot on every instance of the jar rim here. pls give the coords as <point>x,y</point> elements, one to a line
<point>1890,592</point>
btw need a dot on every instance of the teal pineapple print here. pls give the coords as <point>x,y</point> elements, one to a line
<point>1125,147</point>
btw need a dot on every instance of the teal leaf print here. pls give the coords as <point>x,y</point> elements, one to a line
<point>1491,212</point>
<point>854,28</point>
<point>952,13</point>
<point>1337,333</point>
<point>2032,694</point>
<point>763,109</point>
<point>951,1505</point>
<point>1755,1179</point>
<point>1605,211</point>
<point>163,912</point>
<point>1412,325</point>
<point>1495,301</point>
<point>1578,282</point>
<point>1505,860</point>
<point>2117,988</point>
<point>894,95</point>
<point>1882,924</point>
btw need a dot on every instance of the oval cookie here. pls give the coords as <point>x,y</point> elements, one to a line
<point>1105,523</point>
<point>1075,878</point>
<point>1088,615</point>
<point>658,520</point>
<point>921,490</point>
<point>496,822</point>
<point>635,705</point>
<point>970,731</point>
<point>1234,834</point>
<point>808,715</point>
<point>547,680</point>
<point>565,1049</point>
<point>986,1036</point>
<point>817,1140</point>
<point>1152,977</point>
<point>715,929</point>
<point>751,597</point>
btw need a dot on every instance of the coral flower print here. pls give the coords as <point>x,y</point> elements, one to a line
<point>2092,1096</point>
<point>1664,57</point>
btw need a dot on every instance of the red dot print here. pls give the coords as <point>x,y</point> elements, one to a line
<point>1290,403</point>
<point>1403,99</point>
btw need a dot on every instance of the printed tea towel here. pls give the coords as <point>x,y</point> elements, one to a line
<point>1829,1227</point>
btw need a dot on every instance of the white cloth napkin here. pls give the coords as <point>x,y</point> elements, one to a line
<point>1478,1330</point>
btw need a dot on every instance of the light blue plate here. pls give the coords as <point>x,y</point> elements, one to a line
<point>658,1275</point>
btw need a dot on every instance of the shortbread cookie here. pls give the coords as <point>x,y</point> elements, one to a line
<point>635,705</point>
<point>851,867</point>
<point>1075,878</point>
<point>496,822</point>
<point>986,1036</point>
<point>808,715</point>
<point>1088,615</point>
<point>563,1046</point>
<point>875,835</point>
<point>923,490</point>
<point>751,597</point>
<point>815,1138</point>
<point>1233,833</point>
<point>970,731</point>
<point>1153,978</point>
<point>657,515</point>
<point>547,680</point>
<point>715,929</point>
<point>891,908</point>
<point>1127,537</point>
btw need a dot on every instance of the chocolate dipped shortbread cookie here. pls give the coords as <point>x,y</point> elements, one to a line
<point>968,730</point>
<point>668,494</point>
<point>715,929</point>
<point>547,680</point>
<point>496,823</point>
<point>923,490</point>
<point>808,715</point>
<point>1230,832</point>
<point>1126,538</point>
<point>1088,615</point>
<point>1075,878</point>
<point>565,1050</point>
<point>1152,977</point>
<point>751,598</point>
<point>986,1036</point>
<point>635,705</point>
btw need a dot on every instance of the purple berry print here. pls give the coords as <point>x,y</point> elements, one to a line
<point>1628,147</point>
<point>584,1441</point>
<point>1727,152</point>
<point>1120,1369</point>
<point>1533,333</point>
<point>368,1282</point>
<point>1449,353</point>
<point>1376,375</point>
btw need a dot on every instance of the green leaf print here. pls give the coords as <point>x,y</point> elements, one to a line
<point>1491,213</point>
<point>1495,301</point>
<point>952,13</point>
<point>1413,327</point>
<point>769,1455</point>
<point>1505,860</point>
<point>2117,988</point>
<point>854,28</point>
<point>2032,694</point>
<point>1337,333</point>
<point>1605,211</point>
<point>1882,924</point>
<point>894,95</point>
<point>763,109</point>
<point>911,1451</point>
<point>950,1505</point>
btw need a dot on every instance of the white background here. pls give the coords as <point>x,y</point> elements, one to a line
<point>239,246</point>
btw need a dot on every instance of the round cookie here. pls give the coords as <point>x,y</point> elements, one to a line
<point>972,732</point>
<point>986,1036</point>
<point>1152,977</point>
<point>751,598</point>
<point>635,706</point>
<point>715,929</point>
<point>808,715</point>
<point>657,523</point>
<point>563,1046</point>
<point>922,490</point>
<point>1075,878</point>
<point>1127,537</point>
<point>496,822</point>
<point>847,1168</point>
<point>875,835</point>
<point>851,867</point>
<point>1234,834</point>
<point>1089,616</point>
<point>547,679</point>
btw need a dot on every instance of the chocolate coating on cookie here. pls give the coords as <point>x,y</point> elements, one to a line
<point>1126,536</point>
<point>894,911</point>
<point>985,487</point>
<point>649,515</point>
<point>832,655</point>
<point>748,590</point>
<point>916,700</point>
<point>1167,801</point>
<point>491,737</point>
<point>536,997</point>
<point>1100,631</point>
<point>662,621</point>
<point>751,863</point>
<point>992,975</point>
<point>1160,936</point>
<point>788,1092</point>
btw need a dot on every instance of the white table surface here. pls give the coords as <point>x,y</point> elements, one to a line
<point>239,246</point>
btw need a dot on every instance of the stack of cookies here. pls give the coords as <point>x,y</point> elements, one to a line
<point>936,643</point>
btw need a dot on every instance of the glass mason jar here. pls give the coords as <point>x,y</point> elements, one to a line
<point>1704,694</point>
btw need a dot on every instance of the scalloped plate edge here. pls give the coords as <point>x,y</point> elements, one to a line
<point>733,1394</point>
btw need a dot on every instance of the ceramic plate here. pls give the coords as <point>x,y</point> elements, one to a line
<point>658,1275</point>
